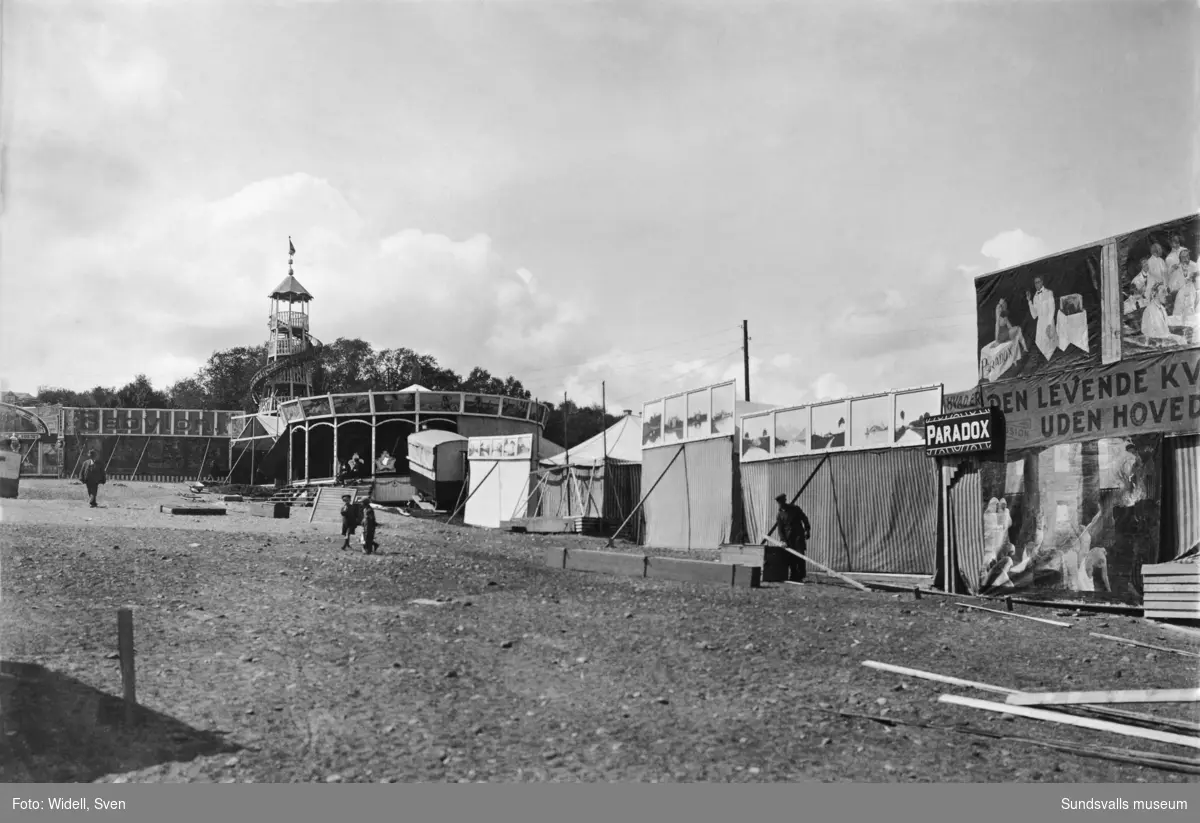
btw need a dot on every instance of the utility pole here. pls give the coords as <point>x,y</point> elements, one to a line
<point>746,354</point>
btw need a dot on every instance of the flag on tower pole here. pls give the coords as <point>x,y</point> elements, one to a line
<point>291,247</point>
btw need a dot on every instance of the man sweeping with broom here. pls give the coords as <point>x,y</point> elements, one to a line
<point>794,530</point>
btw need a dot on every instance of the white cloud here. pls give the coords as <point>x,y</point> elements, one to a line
<point>1013,247</point>
<point>166,291</point>
<point>828,387</point>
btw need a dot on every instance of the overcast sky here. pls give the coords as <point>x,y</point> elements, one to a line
<point>571,192</point>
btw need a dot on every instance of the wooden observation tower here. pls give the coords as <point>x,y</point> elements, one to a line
<point>289,346</point>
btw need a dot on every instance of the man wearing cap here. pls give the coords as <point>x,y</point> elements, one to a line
<point>92,474</point>
<point>794,531</point>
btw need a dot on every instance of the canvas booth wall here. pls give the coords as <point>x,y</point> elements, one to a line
<point>149,444</point>
<point>498,473</point>
<point>1097,481</point>
<point>872,493</point>
<point>691,491</point>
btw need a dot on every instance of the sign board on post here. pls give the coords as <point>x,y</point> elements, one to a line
<point>975,431</point>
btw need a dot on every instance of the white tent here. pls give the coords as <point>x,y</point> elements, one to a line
<point>623,439</point>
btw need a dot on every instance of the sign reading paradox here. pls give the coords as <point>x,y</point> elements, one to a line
<point>965,432</point>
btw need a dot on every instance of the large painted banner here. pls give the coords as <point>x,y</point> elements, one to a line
<point>1149,394</point>
<point>159,422</point>
<point>1160,304</point>
<point>700,414</point>
<point>1078,518</point>
<point>1039,317</point>
<point>875,421</point>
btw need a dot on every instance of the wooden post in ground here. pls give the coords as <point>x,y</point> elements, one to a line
<point>125,649</point>
<point>916,592</point>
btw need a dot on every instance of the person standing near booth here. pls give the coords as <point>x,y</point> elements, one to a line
<point>794,531</point>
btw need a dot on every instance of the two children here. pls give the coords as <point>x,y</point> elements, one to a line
<point>355,515</point>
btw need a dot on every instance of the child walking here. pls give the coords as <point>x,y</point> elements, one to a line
<point>368,533</point>
<point>351,513</point>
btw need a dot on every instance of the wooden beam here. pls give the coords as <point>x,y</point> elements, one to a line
<point>1183,725</point>
<point>1119,696</point>
<point>937,678</point>
<point>1073,720</point>
<point>1014,614</point>
<point>1145,645</point>
<point>126,652</point>
<point>823,568</point>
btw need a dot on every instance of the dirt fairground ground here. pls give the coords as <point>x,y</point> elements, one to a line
<point>266,654</point>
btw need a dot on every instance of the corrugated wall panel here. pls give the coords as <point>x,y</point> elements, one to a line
<point>692,507</point>
<point>870,511</point>
<point>966,523</point>
<point>1186,460</point>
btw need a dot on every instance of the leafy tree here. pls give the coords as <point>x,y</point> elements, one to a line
<point>189,393</point>
<point>345,365</point>
<point>226,375</point>
<point>141,394</point>
<point>579,422</point>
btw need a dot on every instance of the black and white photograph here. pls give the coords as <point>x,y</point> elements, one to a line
<point>404,393</point>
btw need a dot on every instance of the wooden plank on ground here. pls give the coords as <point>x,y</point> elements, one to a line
<point>549,525</point>
<point>1117,696</point>
<point>1014,614</point>
<point>632,565</point>
<point>1129,642</point>
<point>1073,720</point>
<point>556,557</point>
<point>191,510</point>
<point>689,571</point>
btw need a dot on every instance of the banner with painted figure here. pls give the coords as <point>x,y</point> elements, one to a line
<point>1147,395</point>
<point>1040,316</point>
<point>1076,520</point>
<point>1160,303</point>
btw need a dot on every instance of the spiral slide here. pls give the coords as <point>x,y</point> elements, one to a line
<point>268,371</point>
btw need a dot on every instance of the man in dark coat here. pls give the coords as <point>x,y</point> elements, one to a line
<point>794,530</point>
<point>92,475</point>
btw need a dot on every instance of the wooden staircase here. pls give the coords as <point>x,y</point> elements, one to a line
<point>327,507</point>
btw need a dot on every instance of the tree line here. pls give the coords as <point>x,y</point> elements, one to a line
<point>345,365</point>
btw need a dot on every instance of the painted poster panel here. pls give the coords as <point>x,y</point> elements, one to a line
<point>515,407</point>
<point>829,425</point>
<point>791,431</point>
<point>971,398</point>
<point>1160,304</point>
<point>352,404</point>
<point>674,413</point>
<point>395,402</point>
<point>1039,317</point>
<point>1149,394</point>
<point>652,424</point>
<point>484,404</point>
<point>450,402</point>
<point>872,419</point>
<point>1079,519</point>
<point>912,410</point>
<point>501,447</point>
<point>724,399</point>
<point>315,407</point>
<point>758,432</point>
<point>699,414</point>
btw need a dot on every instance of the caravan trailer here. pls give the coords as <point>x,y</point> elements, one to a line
<point>437,466</point>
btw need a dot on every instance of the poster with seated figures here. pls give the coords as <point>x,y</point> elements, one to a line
<point>1074,520</point>
<point>1160,303</point>
<point>1039,316</point>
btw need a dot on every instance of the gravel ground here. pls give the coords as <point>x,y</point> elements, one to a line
<point>266,654</point>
